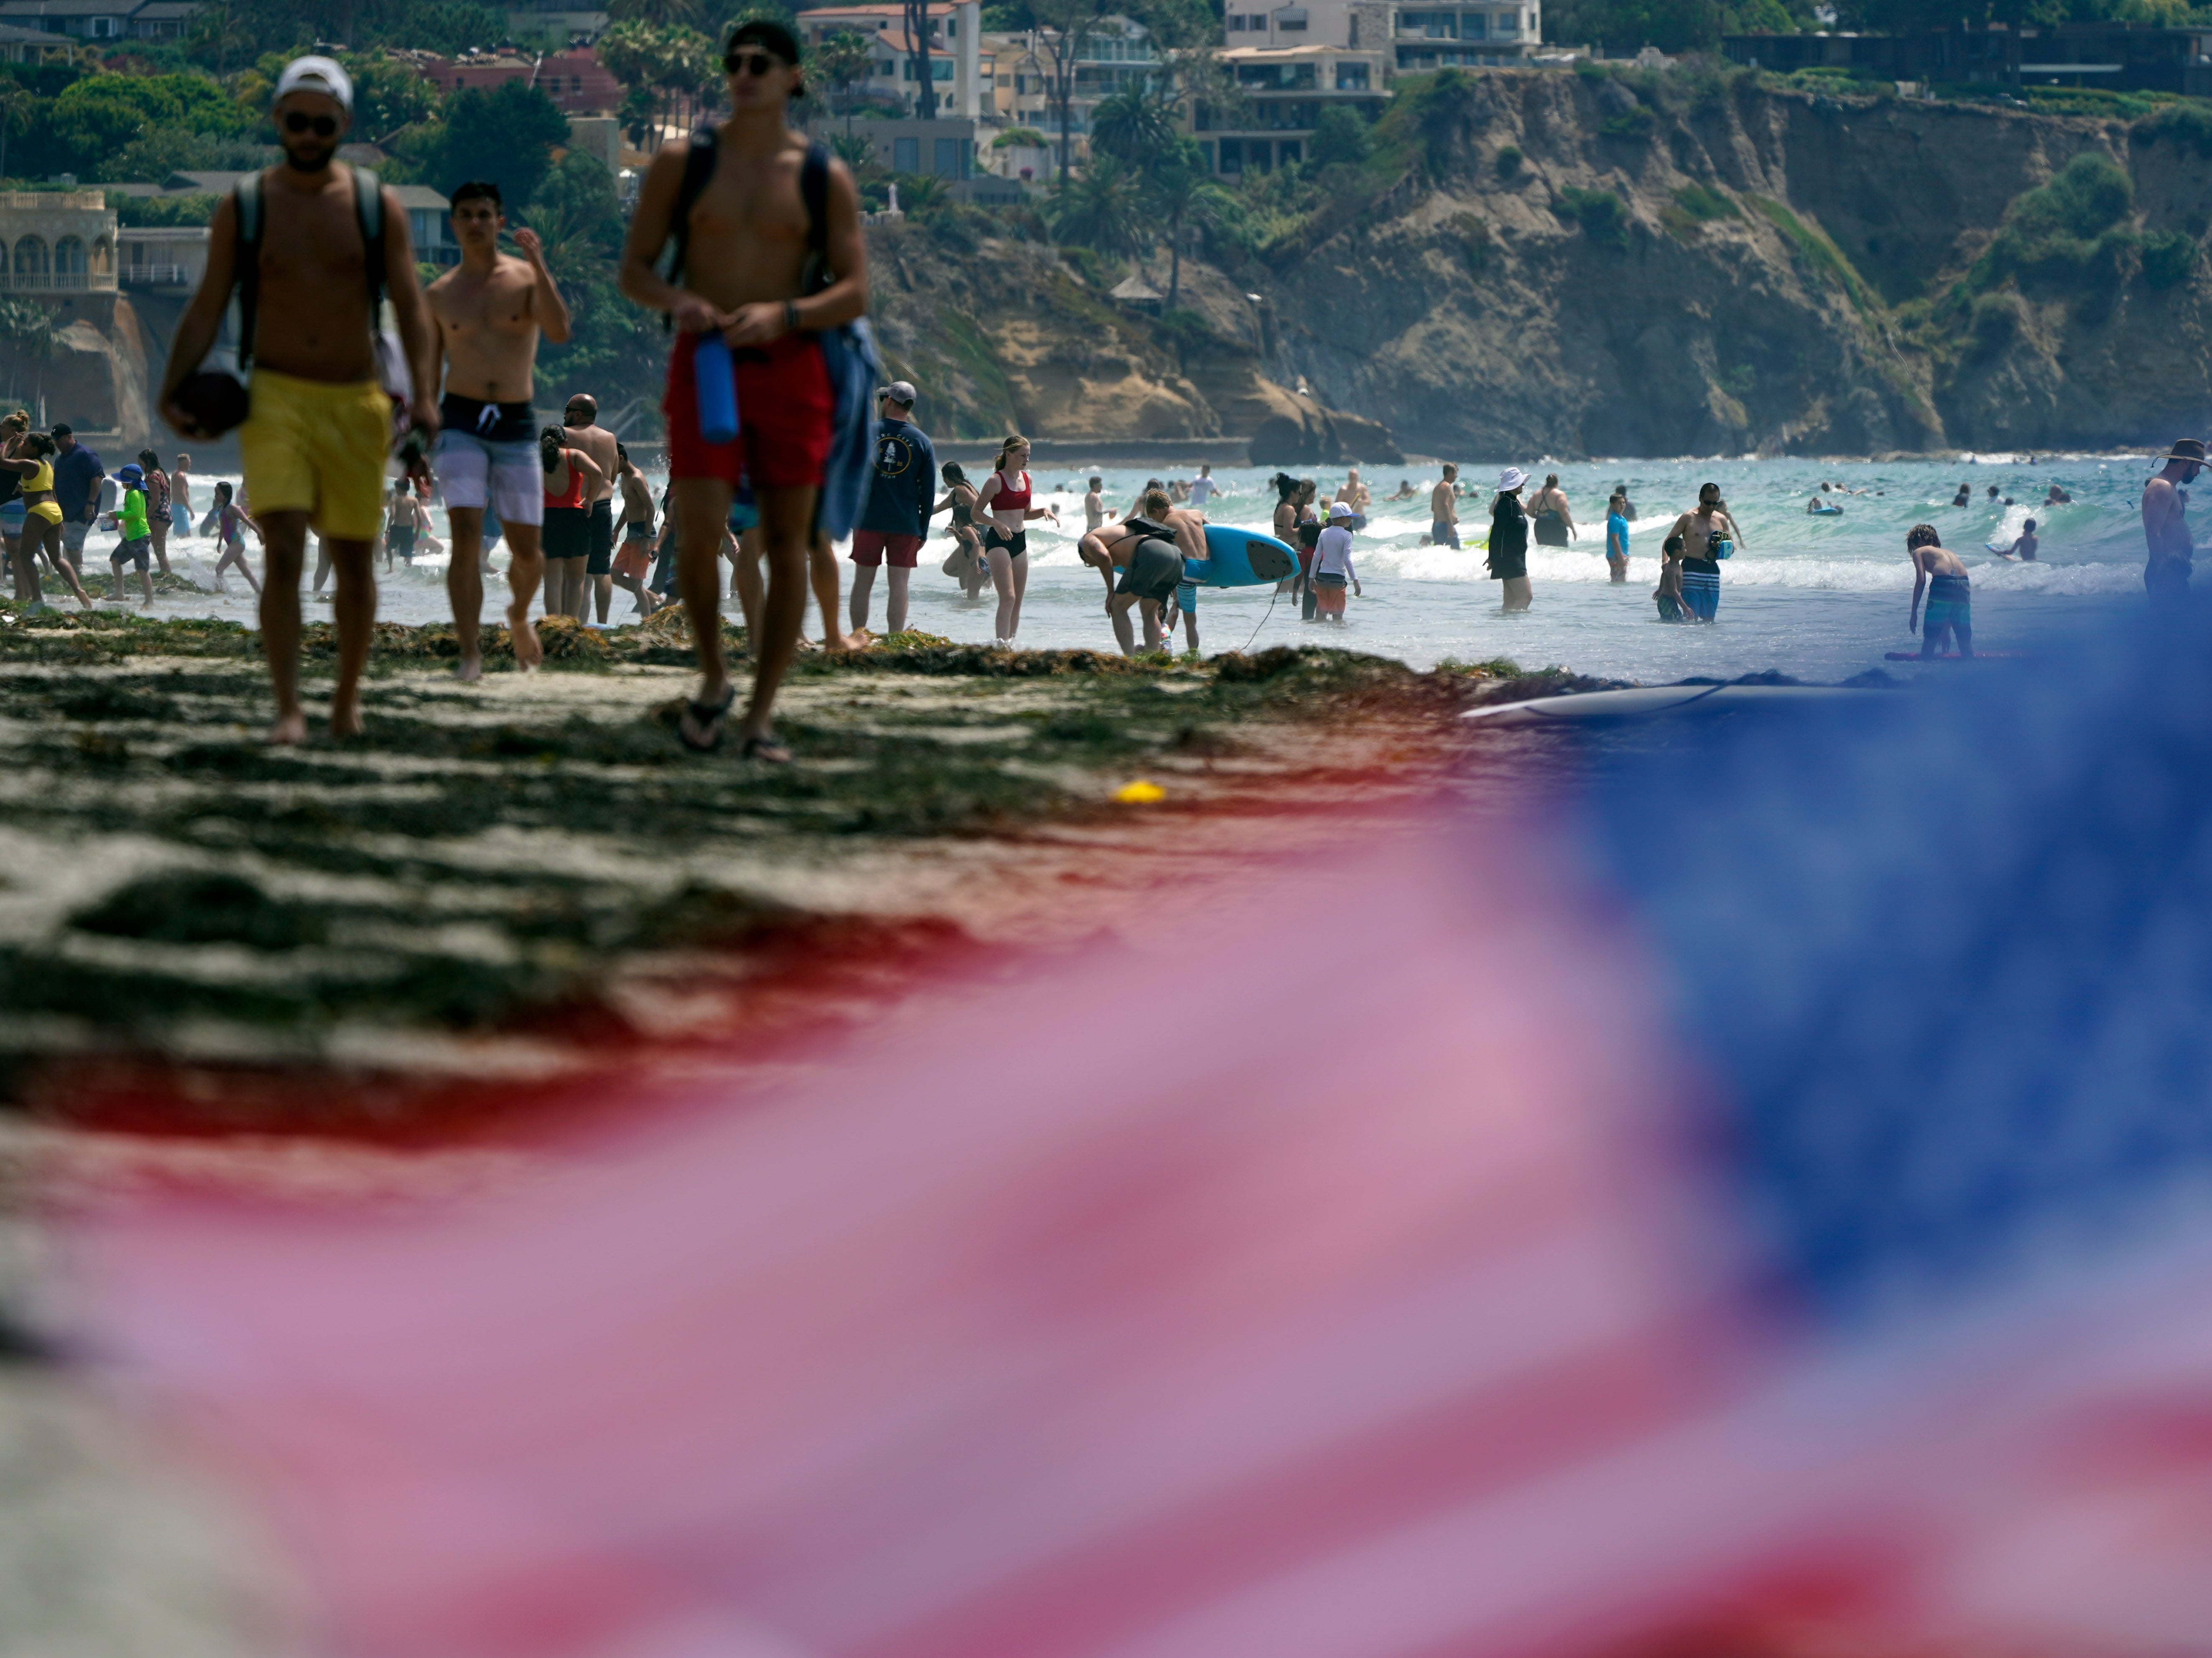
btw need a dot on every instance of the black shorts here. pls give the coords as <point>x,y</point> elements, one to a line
<point>567,532</point>
<point>603,538</point>
<point>1016,543</point>
<point>131,552</point>
<point>1155,571</point>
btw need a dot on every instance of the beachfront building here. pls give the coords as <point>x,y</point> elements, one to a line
<point>548,25</point>
<point>57,241</point>
<point>101,20</point>
<point>1285,88</point>
<point>954,50</point>
<point>1419,36</point>
<point>161,259</point>
<point>573,78</point>
<point>19,44</point>
<point>1117,54</point>
<point>2116,56</point>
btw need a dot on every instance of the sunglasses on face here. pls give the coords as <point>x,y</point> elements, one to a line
<point>323,126</point>
<point>751,62</point>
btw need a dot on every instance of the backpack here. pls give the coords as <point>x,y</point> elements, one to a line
<point>848,350</point>
<point>245,201</point>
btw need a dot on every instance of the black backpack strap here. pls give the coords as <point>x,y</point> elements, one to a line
<point>245,208</point>
<point>368,210</point>
<point>698,169</point>
<point>814,190</point>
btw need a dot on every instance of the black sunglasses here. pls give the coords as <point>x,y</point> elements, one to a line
<point>323,126</point>
<point>751,62</point>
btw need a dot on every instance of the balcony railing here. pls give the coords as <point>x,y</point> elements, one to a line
<point>55,281</point>
<point>158,276</point>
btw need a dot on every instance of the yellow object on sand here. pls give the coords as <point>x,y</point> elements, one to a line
<point>1140,794</point>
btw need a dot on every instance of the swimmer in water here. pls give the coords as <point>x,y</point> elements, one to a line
<point>2023,546</point>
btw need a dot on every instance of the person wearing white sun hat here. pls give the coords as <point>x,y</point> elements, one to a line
<point>1508,539</point>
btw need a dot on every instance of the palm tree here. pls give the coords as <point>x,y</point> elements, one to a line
<point>1130,127</point>
<point>1099,210</point>
<point>14,100</point>
<point>844,58</point>
<point>661,14</point>
<point>1178,190</point>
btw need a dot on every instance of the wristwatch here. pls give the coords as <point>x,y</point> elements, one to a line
<point>790,316</point>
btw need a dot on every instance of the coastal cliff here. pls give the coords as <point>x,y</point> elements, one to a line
<point>1691,261</point>
<point>1698,261</point>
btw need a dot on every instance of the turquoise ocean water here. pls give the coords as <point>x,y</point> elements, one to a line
<point>1817,598</point>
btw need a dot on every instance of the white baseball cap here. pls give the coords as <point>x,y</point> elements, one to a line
<point>1510,479</point>
<point>323,75</point>
<point>899,392</point>
<point>1342,509</point>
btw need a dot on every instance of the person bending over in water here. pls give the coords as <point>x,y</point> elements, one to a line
<point>1148,549</point>
<point>2024,545</point>
<point>1950,601</point>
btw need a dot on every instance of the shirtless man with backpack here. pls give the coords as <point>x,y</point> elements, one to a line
<point>744,267</point>
<point>313,245</point>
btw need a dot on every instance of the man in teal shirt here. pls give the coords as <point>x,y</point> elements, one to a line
<point>1616,537</point>
<point>137,543</point>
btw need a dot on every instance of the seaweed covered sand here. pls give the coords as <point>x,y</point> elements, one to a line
<point>518,880</point>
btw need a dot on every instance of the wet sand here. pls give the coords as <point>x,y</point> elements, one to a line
<point>386,968</point>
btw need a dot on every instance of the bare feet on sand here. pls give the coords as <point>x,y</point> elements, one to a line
<point>290,728</point>
<point>345,721</point>
<point>522,633</point>
<point>471,667</point>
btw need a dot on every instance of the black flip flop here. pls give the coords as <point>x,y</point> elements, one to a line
<point>709,717</point>
<point>767,748</point>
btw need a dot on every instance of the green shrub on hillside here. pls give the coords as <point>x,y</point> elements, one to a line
<point>1629,123</point>
<point>2065,231</point>
<point>151,211</point>
<point>2168,257</point>
<point>1698,205</point>
<point>1603,214</point>
<point>2187,122</point>
<point>1817,251</point>
<point>1508,160</point>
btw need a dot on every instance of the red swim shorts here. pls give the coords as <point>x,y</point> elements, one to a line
<point>784,407</point>
<point>869,547</point>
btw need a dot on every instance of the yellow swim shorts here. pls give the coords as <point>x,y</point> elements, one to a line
<point>315,448</point>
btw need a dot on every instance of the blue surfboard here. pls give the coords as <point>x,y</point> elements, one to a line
<point>1240,558</point>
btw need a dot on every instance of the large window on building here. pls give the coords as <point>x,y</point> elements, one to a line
<point>30,259</point>
<point>69,257</point>
<point>950,157</point>
<point>1351,77</point>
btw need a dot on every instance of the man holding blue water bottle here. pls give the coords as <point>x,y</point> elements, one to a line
<point>746,289</point>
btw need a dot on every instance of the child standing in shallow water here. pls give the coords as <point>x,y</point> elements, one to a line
<point>1950,600</point>
<point>230,519</point>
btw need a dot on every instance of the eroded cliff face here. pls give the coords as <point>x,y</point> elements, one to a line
<point>1585,265</point>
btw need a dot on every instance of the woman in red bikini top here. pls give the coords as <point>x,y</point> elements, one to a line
<point>1005,495</point>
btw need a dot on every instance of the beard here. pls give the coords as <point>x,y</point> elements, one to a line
<point>310,161</point>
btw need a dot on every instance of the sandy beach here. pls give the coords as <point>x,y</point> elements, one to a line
<point>387,968</point>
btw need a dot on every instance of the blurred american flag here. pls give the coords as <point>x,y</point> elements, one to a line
<point>1752,1208</point>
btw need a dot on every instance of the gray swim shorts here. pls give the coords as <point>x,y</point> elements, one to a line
<point>477,471</point>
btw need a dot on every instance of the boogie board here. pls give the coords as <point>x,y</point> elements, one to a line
<point>1826,512</point>
<point>1240,558</point>
<point>1645,702</point>
<point>1978,656</point>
